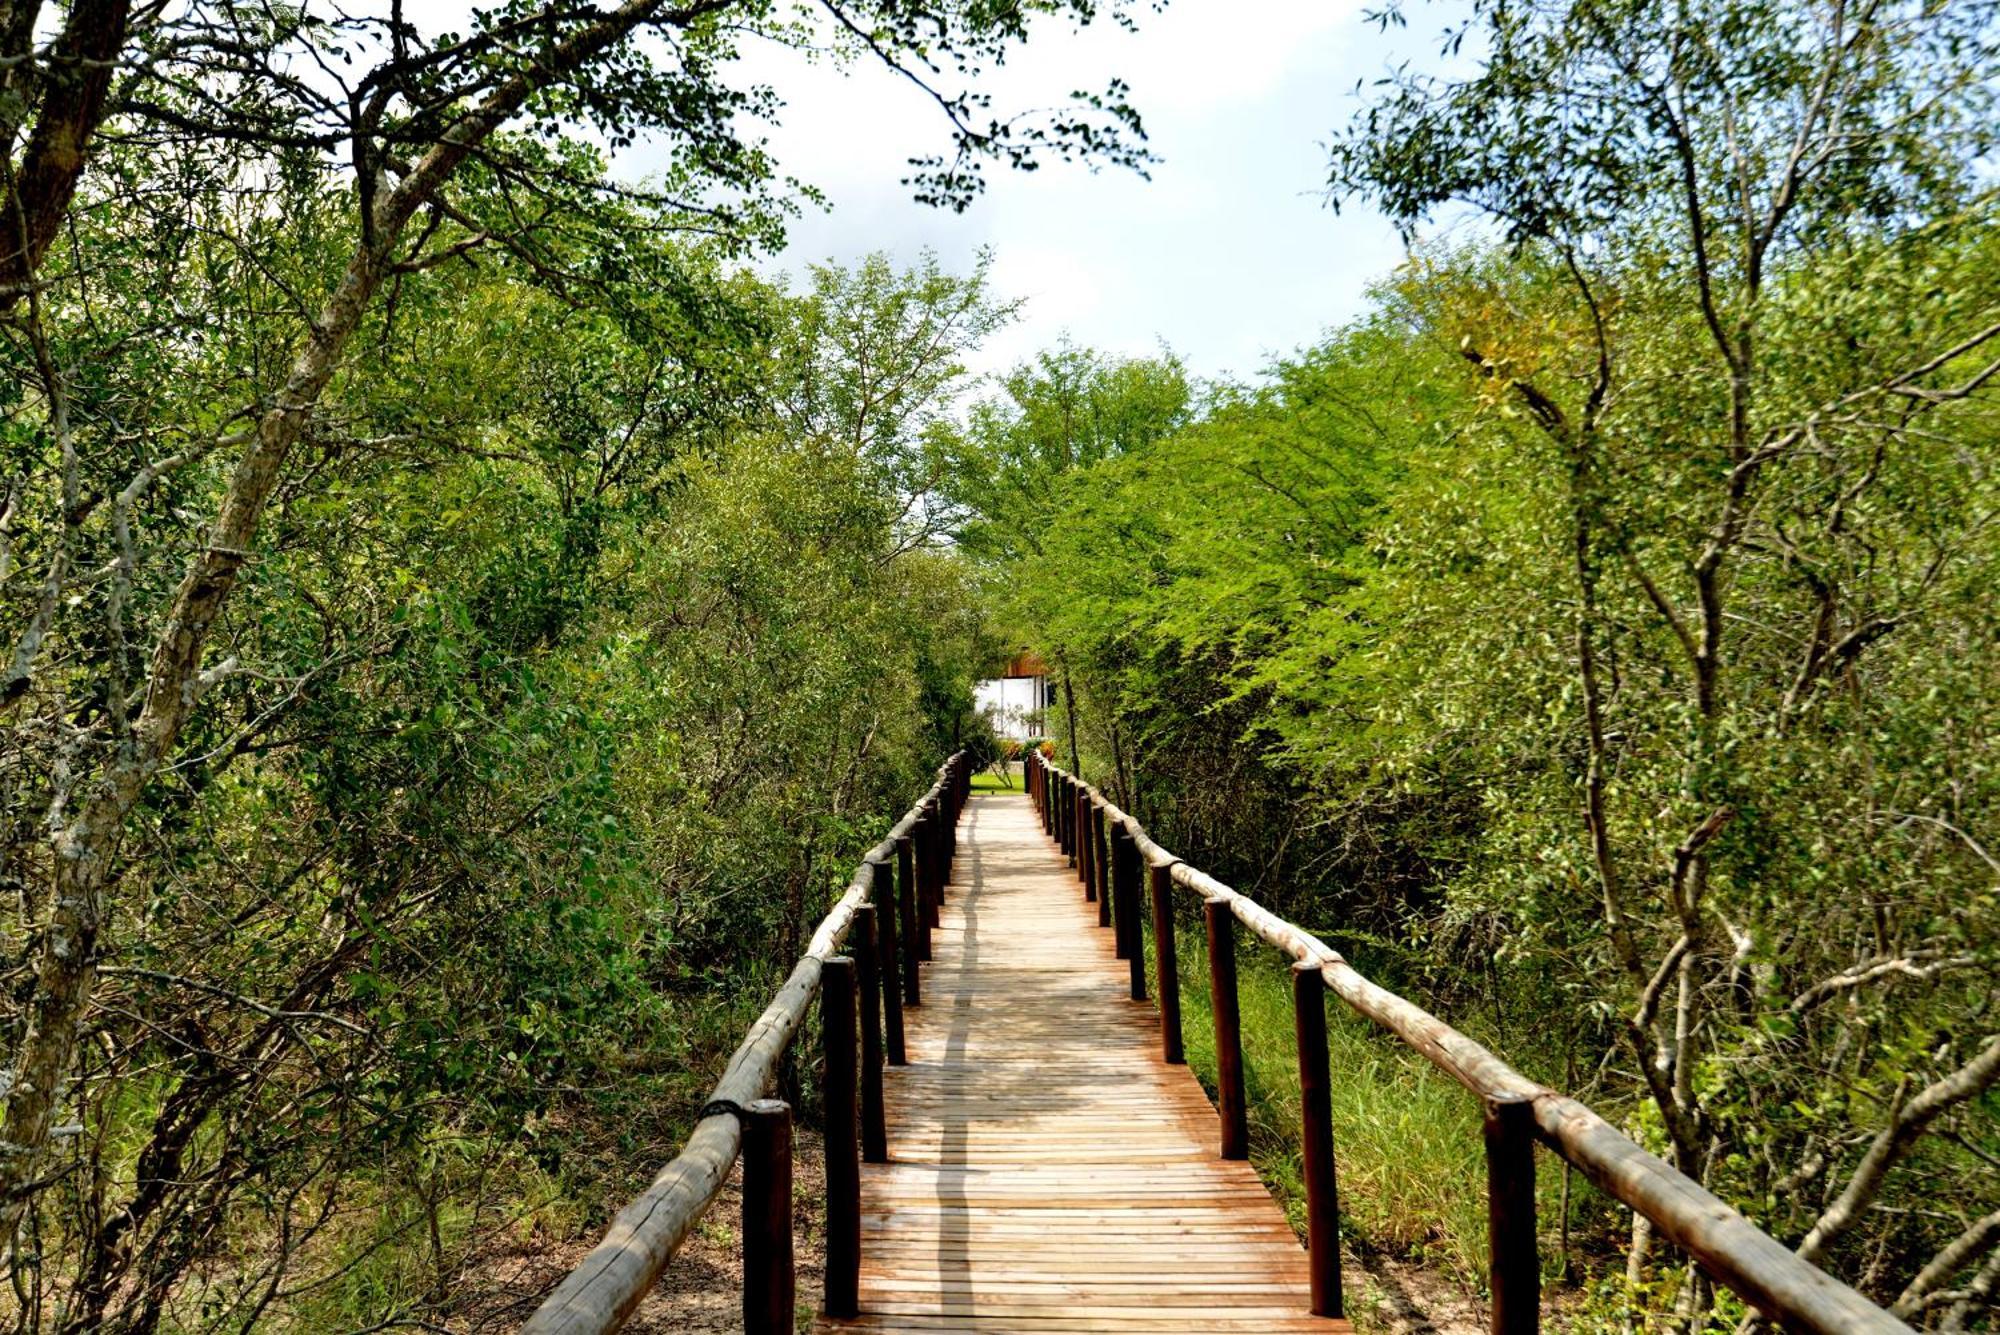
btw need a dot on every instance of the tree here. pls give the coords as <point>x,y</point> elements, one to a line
<point>1741,332</point>
<point>320,169</point>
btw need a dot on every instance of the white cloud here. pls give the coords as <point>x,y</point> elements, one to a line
<point>1227,254</point>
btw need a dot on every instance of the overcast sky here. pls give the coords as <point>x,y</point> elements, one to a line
<point>1229,254</point>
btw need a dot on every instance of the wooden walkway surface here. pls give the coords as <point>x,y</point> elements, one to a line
<point>1048,1171</point>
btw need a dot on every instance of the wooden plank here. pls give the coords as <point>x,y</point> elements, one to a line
<point>1049,1171</point>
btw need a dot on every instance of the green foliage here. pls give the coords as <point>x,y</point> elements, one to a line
<point>1593,641</point>
<point>592,658</point>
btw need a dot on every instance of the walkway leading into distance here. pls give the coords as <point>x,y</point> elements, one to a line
<point>1048,1171</point>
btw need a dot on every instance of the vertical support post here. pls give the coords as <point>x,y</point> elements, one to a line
<point>770,1281</point>
<point>906,914</point>
<point>868,990</point>
<point>941,832</point>
<point>1166,963</point>
<point>954,807</point>
<point>1121,944</point>
<point>1062,831</point>
<point>1231,1104</point>
<point>920,876</point>
<point>843,1169</point>
<point>1076,808</point>
<point>1081,860</point>
<point>1131,918</point>
<point>1516,1268</point>
<point>1058,785</point>
<point>1101,861</point>
<point>1086,864</point>
<point>920,882</point>
<point>890,956</point>
<point>935,840</point>
<point>1316,1131</point>
<point>1069,820</point>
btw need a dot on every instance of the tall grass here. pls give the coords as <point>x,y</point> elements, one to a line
<point>1406,1137</point>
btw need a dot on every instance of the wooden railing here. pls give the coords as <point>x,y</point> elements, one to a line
<point>1109,848</point>
<point>903,877</point>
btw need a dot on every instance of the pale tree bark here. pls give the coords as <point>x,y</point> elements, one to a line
<point>1959,1253</point>
<point>87,844</point>
<point>1909,1118</point>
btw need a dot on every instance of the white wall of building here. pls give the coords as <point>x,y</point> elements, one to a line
<point>1013,702</point>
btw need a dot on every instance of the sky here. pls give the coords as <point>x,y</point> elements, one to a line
<point>1229,255</point>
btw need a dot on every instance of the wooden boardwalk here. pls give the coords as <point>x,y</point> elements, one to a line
<point>1048,1171</point>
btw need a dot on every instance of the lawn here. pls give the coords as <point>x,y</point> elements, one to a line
<point>986,781</point>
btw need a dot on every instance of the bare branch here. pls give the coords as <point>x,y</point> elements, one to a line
<point>1908,1120</point>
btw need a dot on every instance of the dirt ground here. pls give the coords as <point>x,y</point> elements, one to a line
<point>701,1291</point>
<point>1387,1296</point>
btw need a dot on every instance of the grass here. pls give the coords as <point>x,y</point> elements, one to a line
<point>1408,1145</point>
<point>1407,1142</point>
<point>986,781</point>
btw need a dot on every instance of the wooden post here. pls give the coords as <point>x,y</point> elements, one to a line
<point>937,868</point>
<point>1114,887</point>
<point>920,877</point>
<point>906,916</point>
<point>1100,858</point>
<point>940,856</point>
<point>1087,864</point>
<point>1069,820</point>
<point>929,827</point>
<point>1081,857</point>
<point>770,1282</point>
<point>950,852</point>
<point>843,1169</point>
<point>1125,865</point>
<point>867,987</point>
<point>1167,964</point>
<point>890,956</point>
<point>1062,820</point>
<point>1316,1133</point>
<point>954,807</point>
<point>1230,1102</point>
<point>1082,833</point>
<point>1516,1268</point>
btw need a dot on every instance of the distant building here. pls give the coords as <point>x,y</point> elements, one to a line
<point>1018,702</point>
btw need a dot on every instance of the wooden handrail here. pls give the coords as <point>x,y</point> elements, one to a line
<point>1736,1253</point>
<point>608,1285</point>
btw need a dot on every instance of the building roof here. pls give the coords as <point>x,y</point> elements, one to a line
<point>1025,664</point>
